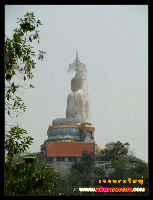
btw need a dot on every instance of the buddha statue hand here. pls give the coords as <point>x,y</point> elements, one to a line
<point>75,113</point>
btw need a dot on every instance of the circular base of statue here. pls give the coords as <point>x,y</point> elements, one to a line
<point>70,133</point>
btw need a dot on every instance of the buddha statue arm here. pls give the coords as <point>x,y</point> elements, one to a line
<point>75,113</point>
<point>71,112</point>
<point>87,109</point>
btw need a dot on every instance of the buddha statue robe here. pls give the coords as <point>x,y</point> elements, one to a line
<point>77,105</point>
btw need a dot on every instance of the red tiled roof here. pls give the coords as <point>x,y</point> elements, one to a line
<point>68,149</point>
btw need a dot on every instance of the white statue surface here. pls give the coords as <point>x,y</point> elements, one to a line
<point>77,110</point>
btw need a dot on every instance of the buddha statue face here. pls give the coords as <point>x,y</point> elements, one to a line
<point>76,83</point>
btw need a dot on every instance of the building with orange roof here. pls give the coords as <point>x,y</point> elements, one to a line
<point>65,145</point>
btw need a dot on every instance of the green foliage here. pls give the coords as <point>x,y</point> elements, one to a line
<point>112,153</point>
<point>124,164</point>
<point>16,142</point>
<point>19,60</point>
<point>99,173</point>
<point>82,171</point>
<point>32,177</point>
<point>83,167</point>
<point>137,167</point>
<point>29,179</point>
<point>121,166</point>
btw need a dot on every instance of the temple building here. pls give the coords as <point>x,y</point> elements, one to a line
<point>69,136</point>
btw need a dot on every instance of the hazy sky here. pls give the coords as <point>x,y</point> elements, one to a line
<point>112,41</point>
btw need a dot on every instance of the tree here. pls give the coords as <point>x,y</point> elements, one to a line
<point>16,142</point>
<point>82,173</point>
<point>121,166</point>
<point>99,173</point>
<point>137,167</point>
<point>32,178</point>
<point>112,150</point>
<point>82,170</point>
<point>125,165</point>
<point>19,61</point>
<point>20,178</point>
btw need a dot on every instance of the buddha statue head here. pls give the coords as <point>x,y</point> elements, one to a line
<point>76,83</point>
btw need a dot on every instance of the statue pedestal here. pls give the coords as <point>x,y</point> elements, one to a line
<point>71,133</point>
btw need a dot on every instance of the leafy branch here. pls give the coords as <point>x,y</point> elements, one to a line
<point>19,59</point>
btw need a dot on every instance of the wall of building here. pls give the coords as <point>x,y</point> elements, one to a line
<point>107,165</point>
<point>62,167</point>
<point>97,148</point>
